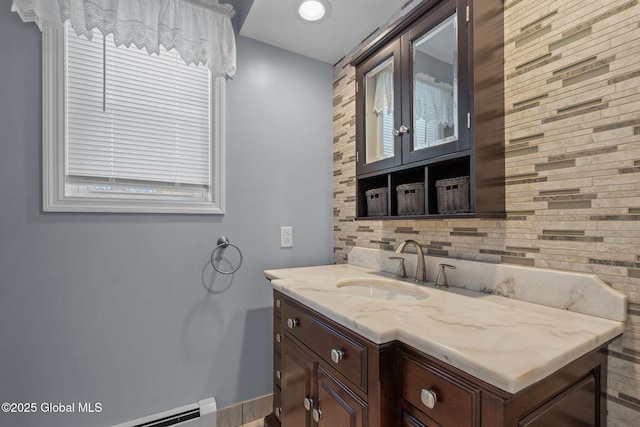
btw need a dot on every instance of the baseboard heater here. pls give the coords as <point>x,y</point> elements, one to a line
<point>201,414</point>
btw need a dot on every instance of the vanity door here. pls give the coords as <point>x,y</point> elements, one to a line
<point>337,405</point>
<point>298,386</point>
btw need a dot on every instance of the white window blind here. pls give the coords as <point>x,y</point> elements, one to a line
<point>387,133</point>
<point>136,123</point>
<point>426,134</point>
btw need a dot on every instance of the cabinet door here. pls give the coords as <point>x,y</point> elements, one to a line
<point>337,406</point>
<point>409,421</point>
<point>436,89</point>
<point>574,407</point>
<point>298,370</point>
<point>378,107</point>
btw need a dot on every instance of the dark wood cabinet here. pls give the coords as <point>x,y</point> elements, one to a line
<point>325,371</point>
<point>311,395</point>
<point>363,384</point>
<point>571,397</point>
<point>430,114</point>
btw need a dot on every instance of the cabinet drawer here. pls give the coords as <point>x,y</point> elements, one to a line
<point>344,354</point>
<point>455,403</point>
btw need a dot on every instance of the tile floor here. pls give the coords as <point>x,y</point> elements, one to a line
<point>246,414</point>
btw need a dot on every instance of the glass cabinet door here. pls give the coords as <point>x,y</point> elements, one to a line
<point>435,84</point>
<point>379,87</point>
<point>379,102</point>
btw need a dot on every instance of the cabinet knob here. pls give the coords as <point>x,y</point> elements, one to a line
<point>337,355</point>
<point>278,303</point>
<point>308,403</point>
<point>317,414</point>
<point>278,338</point>
<point>292,323</point>
<point>400,131</point>
<point>278,411</point>
<point>429,398</point>
<point>278,374</point>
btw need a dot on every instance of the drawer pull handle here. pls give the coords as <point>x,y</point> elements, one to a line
<point>308,403</point>
<point>278,303</point>
<point>337,355</point>
<point>429,398</point>
<point>278,338</point>
<point>278,411</point>
<point>278,374</point>
<point>317,414</point>
<point>292,323</point>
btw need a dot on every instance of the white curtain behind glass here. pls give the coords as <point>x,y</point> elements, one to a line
<point>383,108</point>
<point>433,101</point>
<point>434,109</point>
<point>383,100</point>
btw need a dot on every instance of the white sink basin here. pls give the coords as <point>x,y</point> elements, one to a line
<point>382,289</point>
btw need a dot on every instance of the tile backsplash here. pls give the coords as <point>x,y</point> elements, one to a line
<point>572,141</point>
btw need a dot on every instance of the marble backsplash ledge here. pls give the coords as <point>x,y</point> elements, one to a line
<point>577,292</point>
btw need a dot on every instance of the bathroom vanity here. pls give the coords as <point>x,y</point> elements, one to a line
<point>401,354</point>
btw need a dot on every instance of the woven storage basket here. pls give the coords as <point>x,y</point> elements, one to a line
<point>377,201</point>
<point>453,195</point>
<point>411,198</point>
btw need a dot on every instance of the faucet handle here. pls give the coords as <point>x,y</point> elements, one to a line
<point>441,281</point>
<point>402,271</point>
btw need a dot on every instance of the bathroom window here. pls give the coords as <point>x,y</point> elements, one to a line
<point>125,131</point>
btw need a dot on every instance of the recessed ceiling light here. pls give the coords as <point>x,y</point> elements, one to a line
<point>313,10</point>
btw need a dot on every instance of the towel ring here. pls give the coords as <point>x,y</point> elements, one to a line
<point>223,242</point>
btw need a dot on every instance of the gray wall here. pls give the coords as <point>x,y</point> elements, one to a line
<point>115,308</point>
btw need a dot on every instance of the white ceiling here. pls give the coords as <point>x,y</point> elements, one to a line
<point>275,22</point>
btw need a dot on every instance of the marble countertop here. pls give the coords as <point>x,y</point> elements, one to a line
<point>505,342</point>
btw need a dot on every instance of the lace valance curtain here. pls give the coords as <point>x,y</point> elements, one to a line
<point>433,101</point>
<point>199,30</point>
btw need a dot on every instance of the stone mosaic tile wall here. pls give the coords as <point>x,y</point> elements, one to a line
<point>572,94</point>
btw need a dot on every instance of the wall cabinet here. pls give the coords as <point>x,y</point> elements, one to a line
<point>325,375</point>
<point>430,108</point>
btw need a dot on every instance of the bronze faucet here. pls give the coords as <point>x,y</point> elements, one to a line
<point>421,270</point>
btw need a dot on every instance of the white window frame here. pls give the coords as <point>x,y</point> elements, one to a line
<point>54,128</point>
